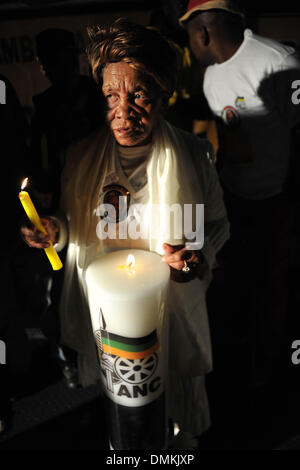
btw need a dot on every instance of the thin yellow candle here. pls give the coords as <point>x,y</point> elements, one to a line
<point>35,219</point>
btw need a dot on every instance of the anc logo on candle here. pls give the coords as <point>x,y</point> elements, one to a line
<point>130,366</point>
<point>136,371</point>
<point>132,360</point>
<point>129,348</point>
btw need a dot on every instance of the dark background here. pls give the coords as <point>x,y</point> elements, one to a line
<point>48,416</point>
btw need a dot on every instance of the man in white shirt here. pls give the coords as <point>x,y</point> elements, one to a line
<point>249,83</point>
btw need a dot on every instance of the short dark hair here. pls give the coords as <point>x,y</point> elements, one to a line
<point>144,49</point>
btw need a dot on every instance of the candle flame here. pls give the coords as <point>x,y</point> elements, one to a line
<point>24,183</point>
<point>130,263</point>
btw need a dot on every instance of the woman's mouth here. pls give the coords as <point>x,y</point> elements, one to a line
<point>123,131</point>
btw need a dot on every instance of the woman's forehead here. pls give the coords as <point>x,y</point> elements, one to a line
<point>119,74</point>
<point>118,71</point>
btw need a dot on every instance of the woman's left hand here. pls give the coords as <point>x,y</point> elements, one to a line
<point>178,256</point>
<point>183,263</point>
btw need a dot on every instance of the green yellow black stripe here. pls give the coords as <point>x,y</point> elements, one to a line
<point>134,341</point>
<point>131,348</point>
<point>128,354</point>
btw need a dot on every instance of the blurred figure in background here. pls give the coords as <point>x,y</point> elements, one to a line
<point>187,102</point>
<point>65,113</point>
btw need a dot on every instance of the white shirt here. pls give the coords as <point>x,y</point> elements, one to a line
<point>251,93</point>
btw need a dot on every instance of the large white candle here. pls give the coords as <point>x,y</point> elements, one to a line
<point>127,306</point>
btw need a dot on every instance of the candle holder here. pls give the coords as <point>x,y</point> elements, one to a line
<point>129,320</point>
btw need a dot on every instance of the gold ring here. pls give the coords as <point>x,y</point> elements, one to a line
<point>185,268</point>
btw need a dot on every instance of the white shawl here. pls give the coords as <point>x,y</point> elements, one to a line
<point>172,179</point>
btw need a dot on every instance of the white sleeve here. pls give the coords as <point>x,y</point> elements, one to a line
<point>61,221</point>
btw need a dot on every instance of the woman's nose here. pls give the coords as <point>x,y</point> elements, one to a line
<point>124,110</point>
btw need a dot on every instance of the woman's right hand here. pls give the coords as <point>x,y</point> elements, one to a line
<point>37,239</point>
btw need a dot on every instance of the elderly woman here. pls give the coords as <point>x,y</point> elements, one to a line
<point>140,155</point>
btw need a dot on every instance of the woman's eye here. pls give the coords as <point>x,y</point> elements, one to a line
<point>110,99</point>
<point>139,96</point>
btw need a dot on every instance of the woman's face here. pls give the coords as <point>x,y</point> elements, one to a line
<point>133,106</point>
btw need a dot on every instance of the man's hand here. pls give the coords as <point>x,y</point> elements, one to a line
<point>37,239</point>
